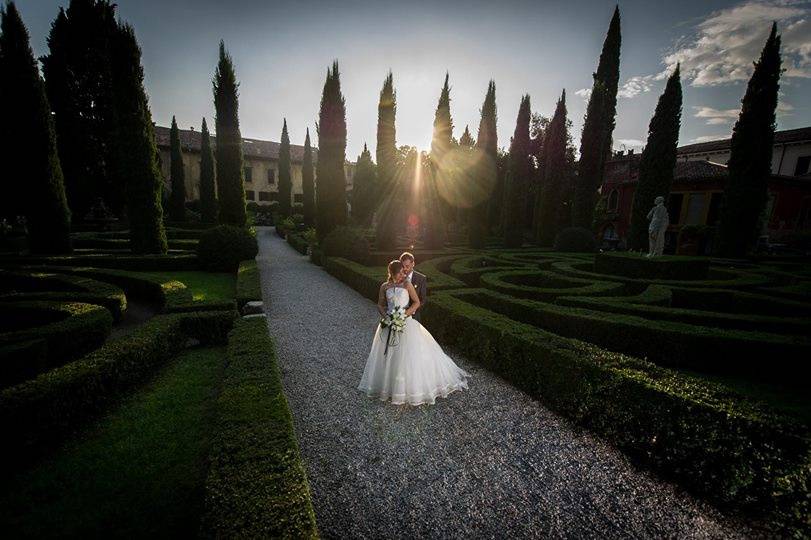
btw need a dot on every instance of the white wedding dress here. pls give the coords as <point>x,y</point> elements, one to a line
<point>414,370</point>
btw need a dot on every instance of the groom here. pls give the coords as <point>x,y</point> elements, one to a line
<point>419,281</point>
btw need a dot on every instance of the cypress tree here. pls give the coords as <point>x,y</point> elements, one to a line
<point>658,160</point>
<point>442,140</point>
<point>386,151</point>
<point>331,186</point>
<point>308,182</point>
<point>485,171</point>
<point>518,178</point>
<point>364,188</point>
<point>230,185</point>
<point>79,87</point>
<point>555,175</point>
<point>208,188</point>
<point>466,140</point>
<point>177,200</point>
<point>750,159</point>
<point>285,182</point>
<point>431,204</point>
<point>390,214</point>
<point>598,126</point>
<point>29,151</point>
<point>135,146</point>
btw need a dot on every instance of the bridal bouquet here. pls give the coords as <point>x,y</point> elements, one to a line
<point>395,322</point>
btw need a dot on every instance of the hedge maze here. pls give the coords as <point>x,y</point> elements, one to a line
<point>81,333</point>
<point>695,367</point>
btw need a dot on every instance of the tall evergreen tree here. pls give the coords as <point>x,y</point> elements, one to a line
<point>136,152</point>
<point>386,151</point>
<point>430,203</point>
<point>750,159</point>
<point>308,182</point>
<point>442,140</point>
<point>466,140</point>
<point>518,178</point>
<point>658,160</point>
<point>230,182</point>
<point>177,200</point>
<point>331,185</point>
<point>208,187</point>
<point>598,127</point>
<point>285,181</point>
<point>29,154</point>
<point>550,198</point>
<point>78,83</point>
<point>364,188</point>
<point>485,172</point>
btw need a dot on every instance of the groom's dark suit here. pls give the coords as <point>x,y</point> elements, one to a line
<point>420,283</point>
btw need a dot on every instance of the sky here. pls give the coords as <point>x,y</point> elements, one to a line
<point>282,50</point>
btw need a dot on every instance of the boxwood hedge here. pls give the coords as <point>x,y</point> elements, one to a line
<point>256,486</point>
<point>249,286</point>
<point>42,410</point>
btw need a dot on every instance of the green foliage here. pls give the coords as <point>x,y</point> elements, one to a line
<point>33,181</point>
<point>442,140</point>
<point>256,486</point>
<point>308,182</point>
<point>126,262</point>
<point>750,159</point>
<point>285,226</point>
<point>135,147</point>
<point>230,186</point>
<point>637,266</point>
<point>598,126</point>
<point>70,330</point>
<point>285,180</point>
<point>575,240</point>
<point>80,86</point>
<point>550,202</point>
<point>298,242</point>
<point>222,248</point>
<point>108,478</point>
<point>331,186</point>
<point>208,188</point>
<point>386,149</point>
<point>658,160</point>
<point>364,188</point>
<point>249,286</point>
<point>177,199</point>
<point>347,242</point>
<point>41,411</point>
<point>518,179</point>
<point>485,173</point>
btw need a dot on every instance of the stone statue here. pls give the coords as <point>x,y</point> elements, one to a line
<point>659,220</point>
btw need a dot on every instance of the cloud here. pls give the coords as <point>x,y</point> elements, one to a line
<point>631,142</point>
<point>716,116</point>
<point>722,47</point>
<point>585,93</point>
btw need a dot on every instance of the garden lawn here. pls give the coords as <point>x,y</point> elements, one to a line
<point>138,472</point>
<point>204,286</point>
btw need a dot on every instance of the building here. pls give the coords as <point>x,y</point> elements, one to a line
<point>699,179</point>
<point>261,162</point>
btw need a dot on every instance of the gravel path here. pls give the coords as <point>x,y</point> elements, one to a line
<point>489,462</point>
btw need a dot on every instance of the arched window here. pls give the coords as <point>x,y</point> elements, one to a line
<point>613,200</point>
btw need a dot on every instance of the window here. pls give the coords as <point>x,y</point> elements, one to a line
<point>695,209</point>
<point>802,167</point>
<point>674,205</point>
<point>264,196</point>
<point>249,174</point>
<point>714,213</point>
<point>274,195</point>
<point>271,177</point>
<point>250,195</point>
<point>298,197</point>
<point>613,200</point>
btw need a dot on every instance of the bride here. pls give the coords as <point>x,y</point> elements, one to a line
<point>412,368</point>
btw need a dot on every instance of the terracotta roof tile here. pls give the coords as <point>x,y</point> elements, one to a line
<point>780,137</point>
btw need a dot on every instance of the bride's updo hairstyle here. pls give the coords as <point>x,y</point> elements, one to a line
<point>394,268</point>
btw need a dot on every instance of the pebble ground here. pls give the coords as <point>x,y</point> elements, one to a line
<point>488,462</point>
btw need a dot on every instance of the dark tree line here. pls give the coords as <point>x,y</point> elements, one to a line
<point>331,178</point>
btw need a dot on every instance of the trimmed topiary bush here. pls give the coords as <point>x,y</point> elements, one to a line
<point>575,240</point>
<point>347,242</point>
<point>222,248</point>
